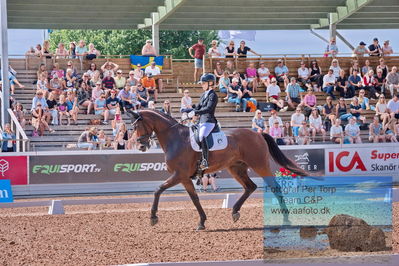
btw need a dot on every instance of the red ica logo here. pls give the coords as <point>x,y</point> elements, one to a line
<point>355,161</point>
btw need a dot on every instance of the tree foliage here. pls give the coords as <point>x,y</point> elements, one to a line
<point>126,42</point>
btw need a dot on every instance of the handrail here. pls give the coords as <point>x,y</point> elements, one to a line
<point>21,138</point>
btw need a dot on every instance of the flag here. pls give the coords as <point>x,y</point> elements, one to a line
<point>145,61</point>
<point>248,35</point>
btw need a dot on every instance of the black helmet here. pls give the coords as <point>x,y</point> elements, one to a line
<point>207,77</point>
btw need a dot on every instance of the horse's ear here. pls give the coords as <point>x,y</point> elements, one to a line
<point>136,115</point>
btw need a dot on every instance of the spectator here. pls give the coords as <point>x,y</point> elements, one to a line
<point>57,71</point>
<point>86,79</point>
<point>364,101</point>
<point>151,105</point>
<point>316,124</point>
<point>218,72</point>
<point>53,108</point>
<point>309,102</point>
<point>329,82</point>
<point>39,122</point>
<point>92,53</point>
<point>392,81</point>
<point>273,118</point>
<point>303,74</point>
<point>148,49</point>
<point>383,67</point>
<point>85,140</point>
<point>335,67</point>
<point>109,67</point>
<point>126,102</point>
<point>342,86</point>
<point>120,80</point>
<point>355,82</point>
<point>376,134</point>
<point>375,48</point>
<point>74,70</point>
<point>235,94</point>
<point>251,76</point>
<point>186,103</point>
<point>42,85</point>
<point>38,50</point>
<point>230,50</point>
<point>281,72</point>
<point>379,82</point>
<point>166,109</point>
<point>296,121</point>
<point>355,65</point>
<point>258,123</point>
<point>393,107</point>
<point>366,68</point>
<point>100,108</point>
<point>332,48</point>
<point>134,97</point>
<point>46,50</point>
<point>328,113</point>
<point>230,69</point>
<point>209,179</point>
<point>71,51</point>
<point>42,70</point>
<point>361,50</point>
<point>93,70</point>
<point>108,82</point>
<point>96,92</point>
<point>264,74</point>
<point>277,133</point>
<point>288,134</point>
<point>224,84</point>
<point>70,80</point>
<point>131,81</point>
<point>84,97</point>
<point>237,75</point>
<point>341,110</point>
<point>155,72</point>
<point>352,131</point>
<point>31,52</point>
<point>148,82</point>
<point>112,103</point>
<point>39,99</point>
<point>214,52</point>
<point>199,51</point>
<point>391,130</point>
<point>316,74</point>
<point>304,134</point>
<point>246,97</point>
<point>356,109</point>
<point>273,94</point>
<point>243,50</point>
<point>72,107</point>
<point>117,122</point>
<point>293,97</point>
<point>336,133</point>
<point>103,140</point>
<point>369,84</point>
<point>381,110</point>
<point>61,52</point>
<point>81,50</point>
<point>138,73</point>
<point>143,95</point>
<point>96,78</point>
<point>8,139</point>
<point>120,143</point>
<point>387,49</point>
<point>20,114</point>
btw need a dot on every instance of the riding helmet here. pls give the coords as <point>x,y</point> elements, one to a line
<point>207,77</point>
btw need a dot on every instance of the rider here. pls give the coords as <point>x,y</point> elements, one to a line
<point>206,110</point>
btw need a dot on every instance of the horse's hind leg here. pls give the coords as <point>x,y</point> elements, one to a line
<point>188,185</point>
<point>170,182</point>
<point>239,172</point>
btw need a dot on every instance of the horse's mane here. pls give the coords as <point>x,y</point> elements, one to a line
<point>163,115</point>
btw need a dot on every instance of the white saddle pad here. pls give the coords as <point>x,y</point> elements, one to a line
<point>219,141</point>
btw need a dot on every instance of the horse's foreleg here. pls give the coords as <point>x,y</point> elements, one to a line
<point>170,182</point>
<point>239,172</point>
<point>188,185</point>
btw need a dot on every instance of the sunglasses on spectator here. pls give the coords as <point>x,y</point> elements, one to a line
<point>118,73</point>
<point>131,74</point>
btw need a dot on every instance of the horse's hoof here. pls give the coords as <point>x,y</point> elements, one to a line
<point>236,216</point>
<point>154,220</point>
<point>200,228</point>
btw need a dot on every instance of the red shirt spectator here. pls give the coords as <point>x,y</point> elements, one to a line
<point>199,49</point>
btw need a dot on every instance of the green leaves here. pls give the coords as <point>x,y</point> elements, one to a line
<point>126,42</point>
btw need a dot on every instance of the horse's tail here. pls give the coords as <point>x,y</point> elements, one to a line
<point>280,158</point>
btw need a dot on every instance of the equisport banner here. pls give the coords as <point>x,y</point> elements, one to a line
<point>14,168</point>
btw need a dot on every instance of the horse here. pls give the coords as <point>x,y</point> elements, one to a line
<point>246,149</point>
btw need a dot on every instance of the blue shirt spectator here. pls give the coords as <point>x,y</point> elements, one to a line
<point>39,99</point>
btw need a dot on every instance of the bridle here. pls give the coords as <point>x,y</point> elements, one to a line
<point>142,139</point>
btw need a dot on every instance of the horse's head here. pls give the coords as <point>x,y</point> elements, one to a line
<point>143,132</point>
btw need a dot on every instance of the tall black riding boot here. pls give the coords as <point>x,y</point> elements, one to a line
<point>205,151</point>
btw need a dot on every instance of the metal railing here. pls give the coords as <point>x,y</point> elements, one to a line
<point>22,141</point>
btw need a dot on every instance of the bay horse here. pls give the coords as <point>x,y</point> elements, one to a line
<point>246,149</point>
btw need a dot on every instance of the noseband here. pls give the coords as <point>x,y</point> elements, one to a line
<point>148,136</point>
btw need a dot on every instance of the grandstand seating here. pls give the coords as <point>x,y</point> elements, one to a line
<point>176,77</point>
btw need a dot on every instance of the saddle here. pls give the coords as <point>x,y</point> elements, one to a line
<point>216,140</point>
